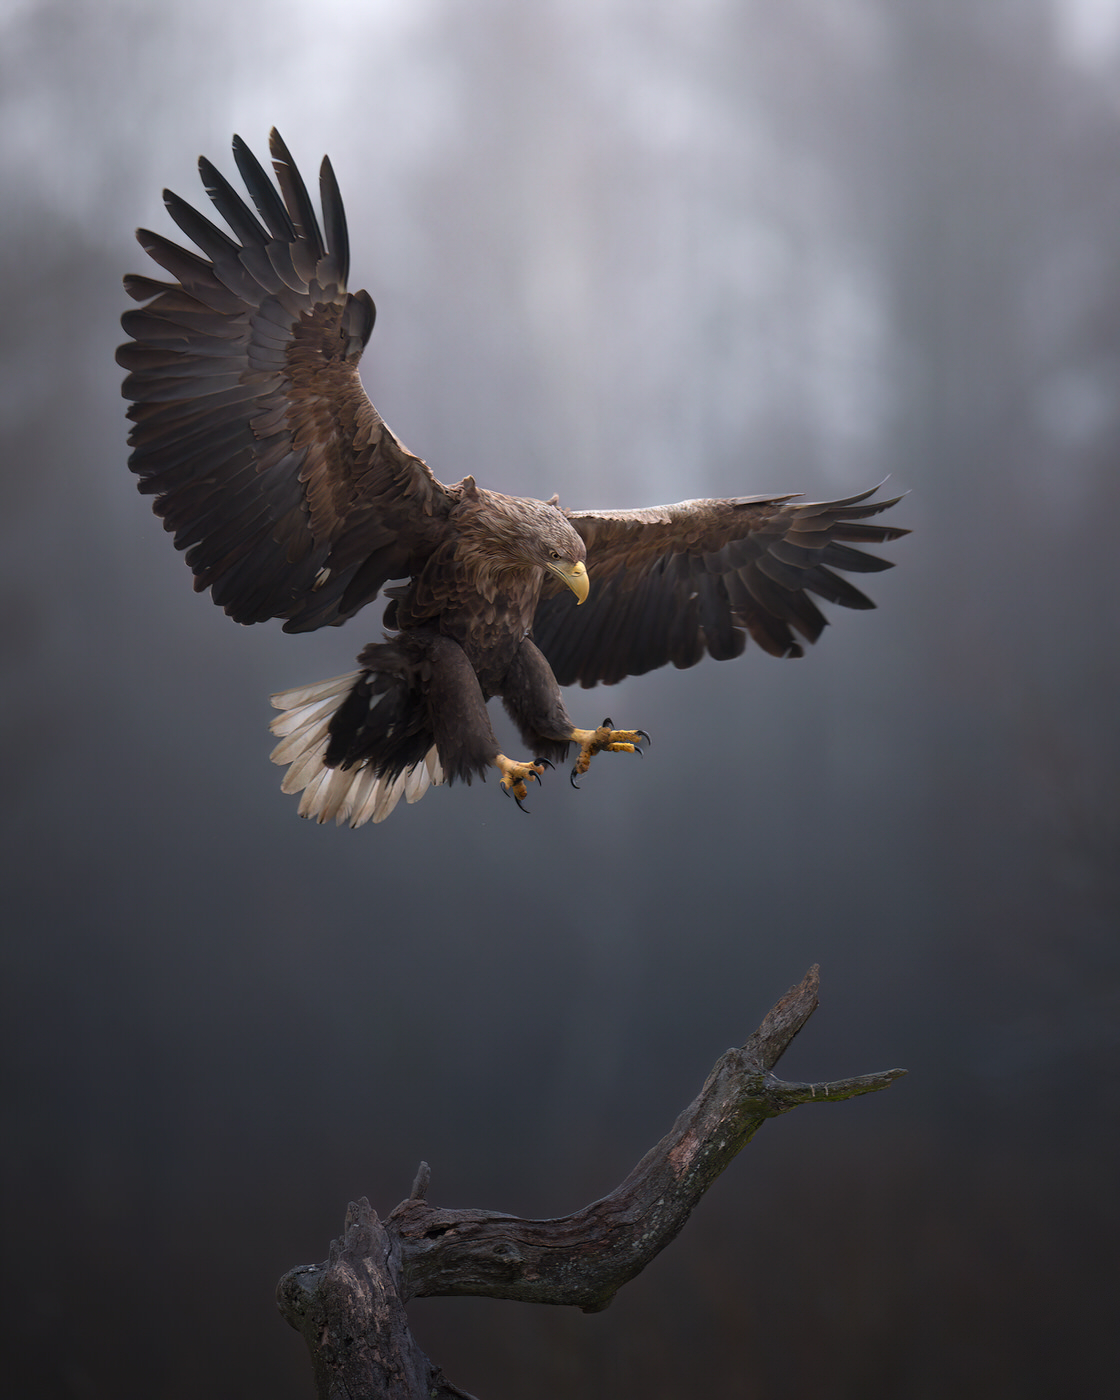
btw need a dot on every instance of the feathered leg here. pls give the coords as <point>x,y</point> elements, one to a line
<point>532,699</point>
<point>457,713</point>
<point>534,702</point>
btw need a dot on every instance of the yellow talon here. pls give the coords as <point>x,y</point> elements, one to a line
<point>605,739</point>
<point>516,776</point>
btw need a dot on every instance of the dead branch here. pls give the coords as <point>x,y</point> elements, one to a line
<point>350,1309</point>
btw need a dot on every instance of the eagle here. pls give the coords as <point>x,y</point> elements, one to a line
<point>292,499</point>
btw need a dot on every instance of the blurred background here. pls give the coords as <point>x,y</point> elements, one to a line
<point>633,252</point>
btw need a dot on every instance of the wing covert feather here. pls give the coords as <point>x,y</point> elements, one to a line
<point>267,461</point>
<point>675,583</point>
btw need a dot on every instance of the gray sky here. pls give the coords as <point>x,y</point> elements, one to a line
<point>632,253</point>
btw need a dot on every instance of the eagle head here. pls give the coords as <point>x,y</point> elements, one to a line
<point>513,534</point>
<point>563,553</point>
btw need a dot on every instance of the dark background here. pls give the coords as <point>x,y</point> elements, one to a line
<point>635,252</point>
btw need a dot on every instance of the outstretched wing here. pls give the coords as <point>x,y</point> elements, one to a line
<point>674,583</point>
<point>251,428</point>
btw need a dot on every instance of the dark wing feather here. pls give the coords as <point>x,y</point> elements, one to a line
<point>676,583</point>
<point>251,428</point>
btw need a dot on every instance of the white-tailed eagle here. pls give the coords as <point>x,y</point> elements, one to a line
<point>292,499</point>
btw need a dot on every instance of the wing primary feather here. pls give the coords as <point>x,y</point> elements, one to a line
<point>832,506</point>
<point>263,192</point>
<point>204,234</point>
<point>854,561</point>
<point>334,221</point>
<point>195,274</point>
<point>237,214</point>
<point>141,288</point>
<point>835,589</point>
<point>872,534</point>
<point>298,202</point>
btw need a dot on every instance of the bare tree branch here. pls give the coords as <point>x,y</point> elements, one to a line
<point>351,1309</point>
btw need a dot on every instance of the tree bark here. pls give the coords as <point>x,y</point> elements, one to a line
<point>350,1309</point>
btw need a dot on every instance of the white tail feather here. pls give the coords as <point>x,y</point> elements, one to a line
<point>304,718</point>
<point>355,795</point>
<point>303,695</point>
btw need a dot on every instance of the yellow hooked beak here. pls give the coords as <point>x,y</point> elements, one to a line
<point>575,576</point>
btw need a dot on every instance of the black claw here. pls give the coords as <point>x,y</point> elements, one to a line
<point>572,779</point>
<point>607,724</point>
<point>506,790</point>
<point>522,805</point>
<point>644,735</point>
<point>638,751</point>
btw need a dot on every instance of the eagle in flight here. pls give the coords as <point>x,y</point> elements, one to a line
<point>292,499</point>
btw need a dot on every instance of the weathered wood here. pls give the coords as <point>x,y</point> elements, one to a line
<point>352,1316</point>
<point>351,1309</point>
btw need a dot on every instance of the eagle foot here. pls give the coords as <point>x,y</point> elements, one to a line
<point>516,776</point>
<point>605,739</point>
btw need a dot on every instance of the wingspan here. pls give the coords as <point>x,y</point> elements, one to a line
<point>676,583</point>
<point>268,462</point>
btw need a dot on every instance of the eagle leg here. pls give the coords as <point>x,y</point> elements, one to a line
<point>605,739</point>
<point>516,776</point>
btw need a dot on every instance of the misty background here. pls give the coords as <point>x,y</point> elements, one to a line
<point>632,252</point>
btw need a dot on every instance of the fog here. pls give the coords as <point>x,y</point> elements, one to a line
<point>632,253</point>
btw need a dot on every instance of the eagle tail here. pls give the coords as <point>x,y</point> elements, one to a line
<point>356,794</point>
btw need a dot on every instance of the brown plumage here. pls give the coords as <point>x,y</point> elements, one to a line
<point>292,499</point>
